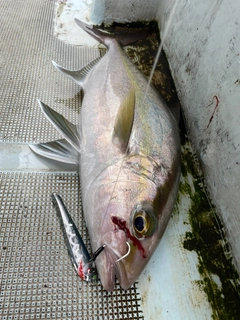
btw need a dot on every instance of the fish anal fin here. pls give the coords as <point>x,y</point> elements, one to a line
<point>78,76</point>
<point>124,121</point>
<point>66,128</point>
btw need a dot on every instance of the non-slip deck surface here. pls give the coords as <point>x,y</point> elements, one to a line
<point>37,279</point>
<point>27,47</point>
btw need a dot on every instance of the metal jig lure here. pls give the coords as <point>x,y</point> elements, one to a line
<point>83,263</point>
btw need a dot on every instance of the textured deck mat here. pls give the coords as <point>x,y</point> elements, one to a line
<point>27,47</point>
<point>37,278</point>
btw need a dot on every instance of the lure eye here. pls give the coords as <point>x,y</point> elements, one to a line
<point>143,220</point>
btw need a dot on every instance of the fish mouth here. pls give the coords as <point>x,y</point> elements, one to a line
<point>110,263</point>
<point>116,269</point>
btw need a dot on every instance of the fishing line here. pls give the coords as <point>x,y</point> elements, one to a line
<point>148,85</point>
<point>145,95</point>
<point>165,32</point>
<point>163,39</point>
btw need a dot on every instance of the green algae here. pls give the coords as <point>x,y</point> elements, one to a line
<point>219,278</point>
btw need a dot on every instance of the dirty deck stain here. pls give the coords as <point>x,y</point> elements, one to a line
<point>216,105</point>
<point>220,280</point>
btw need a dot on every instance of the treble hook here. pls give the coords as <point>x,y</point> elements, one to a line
<point>125,254</point>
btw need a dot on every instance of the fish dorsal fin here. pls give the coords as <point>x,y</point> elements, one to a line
<point>124,121</point>
<point>66,128</point>
<point>59,150</point>
<point>78,76</point>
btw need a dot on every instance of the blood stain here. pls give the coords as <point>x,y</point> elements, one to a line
<point>122,225</point>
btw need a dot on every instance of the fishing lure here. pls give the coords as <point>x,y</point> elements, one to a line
<point>83,263</point>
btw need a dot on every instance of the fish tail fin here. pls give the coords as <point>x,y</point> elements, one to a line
<point>103,37</point>
<point>94,32</point>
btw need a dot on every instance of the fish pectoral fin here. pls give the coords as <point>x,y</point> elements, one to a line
<point>124,121</point>
<point>78,76</point>
<point>59,150</point>
<point>66,128</point>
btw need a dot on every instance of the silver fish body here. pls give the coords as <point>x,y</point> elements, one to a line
<point>129,163</point>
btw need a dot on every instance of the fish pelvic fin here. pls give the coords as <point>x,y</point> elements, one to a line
<point>78,76</point>
<point>66,128</point>
<point>124,121</point>
<point>103,37</point>
<point>59,150</point>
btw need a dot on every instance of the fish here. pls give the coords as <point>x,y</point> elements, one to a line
<point>127,149</point>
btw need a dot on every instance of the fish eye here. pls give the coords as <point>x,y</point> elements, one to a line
<point>140,223</point>
<point>143,220</point>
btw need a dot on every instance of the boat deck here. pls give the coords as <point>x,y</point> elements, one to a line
<point>37,279</point>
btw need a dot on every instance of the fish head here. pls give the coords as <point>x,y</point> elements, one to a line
<point>135,206</point>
